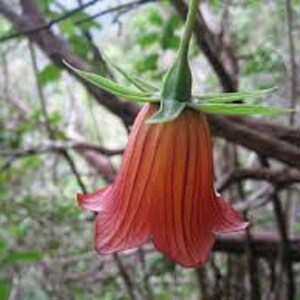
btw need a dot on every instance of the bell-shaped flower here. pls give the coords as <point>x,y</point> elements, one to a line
<point>163,192</point>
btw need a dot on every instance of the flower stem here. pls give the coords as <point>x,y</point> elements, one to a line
<point>177,86</point>
<point>188,29</point>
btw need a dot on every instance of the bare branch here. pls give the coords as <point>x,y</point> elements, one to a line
<point>265,244</point>
<point>279,178</point>
<point>57,146</point>
<point>57,51</point>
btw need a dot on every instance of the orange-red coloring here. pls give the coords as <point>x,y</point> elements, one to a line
<point>164,192</point>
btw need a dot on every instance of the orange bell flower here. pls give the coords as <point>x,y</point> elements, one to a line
<point>164,191</point>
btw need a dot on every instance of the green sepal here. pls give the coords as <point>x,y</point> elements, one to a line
<point>114,88</point>
<point>238,109</point>
<point>177,83</point>
<point>231,97</point>
<point>138,82</point>
<point>169,110</point>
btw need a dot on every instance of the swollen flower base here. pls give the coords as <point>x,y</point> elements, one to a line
<point>164,191</point>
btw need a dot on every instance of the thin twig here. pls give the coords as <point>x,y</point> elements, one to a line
<point>255,292</point>
<point>50,129</point>
<point>121,7</point>
<point>280,178</point>
<point>291,208</point>
<point>49,24</point>
<point>56,146</point>
<point>284,248</point>
<point>125,276</point>
<point>292,58</point>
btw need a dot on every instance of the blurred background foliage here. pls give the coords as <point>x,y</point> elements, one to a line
<point>46,241</point>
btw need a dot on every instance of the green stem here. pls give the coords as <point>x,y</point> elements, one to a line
<point>188,29</point>
<point>177,86</point>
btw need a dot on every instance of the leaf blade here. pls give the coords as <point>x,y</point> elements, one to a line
<point>113,87</point>
<point>239,109</point>
<point>236,96</point>
<point>139,83</point>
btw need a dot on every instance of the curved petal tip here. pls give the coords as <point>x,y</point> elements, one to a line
<point>228,219</point>
<point>94,201</point>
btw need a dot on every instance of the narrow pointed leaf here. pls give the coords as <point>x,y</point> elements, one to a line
<point>230,97</point>
<point>239,109</point>
<point>169,110</point>
<point>138,82</point>
<point>111,86</point>
<point>148,87</point>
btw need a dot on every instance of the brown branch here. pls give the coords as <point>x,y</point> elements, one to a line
<point>47,25</point>
<point>121,7</point>
<point>278,178</point>
<point>265,244</point>
<point>254,139</point>
<point>57,51</point>
<point>94,155</point>
<point>53,146</point>
<point>280,131</point>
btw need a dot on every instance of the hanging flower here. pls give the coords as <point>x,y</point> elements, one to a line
<point>164,192</point>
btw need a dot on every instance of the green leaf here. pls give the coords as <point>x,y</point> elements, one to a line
<point>5,287</point>
<point>84,21</point>
<point>143,84</point>
<point>49,73</point>
<point>236,96</point>
<point>113,87</point>
<point>138,82</point>
<point>169,110</point>
<point>239,109</point>
<point>3,246</point>
<point>23,256</point>
<point>148,39</point>
<point>44,5</point>
<point>67,27</point>
<point>169,39</point>
<point>79,45</point>
<point>263,59</point>
<point>155,17</point>
<point>148,63</point>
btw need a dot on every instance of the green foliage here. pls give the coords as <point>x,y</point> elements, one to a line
<point>80,45</point>
<point>169,39</point>
<point>239,109</point>
<point>44,5</point>
<point>5,287</point>
<point>235,96</point>
<point>5,27</point>
<point>21,256</point>
<point>49,73</point>
<point>148,63</point>
<point>155,33</point>
<point>113,87</point>
<point>262,60</point>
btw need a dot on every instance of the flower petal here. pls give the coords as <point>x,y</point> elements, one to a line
<point>125,221</point>
<point>226,218</point>
<point>186,211</point>
<point>94,201</point>
<point>180,223</point>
